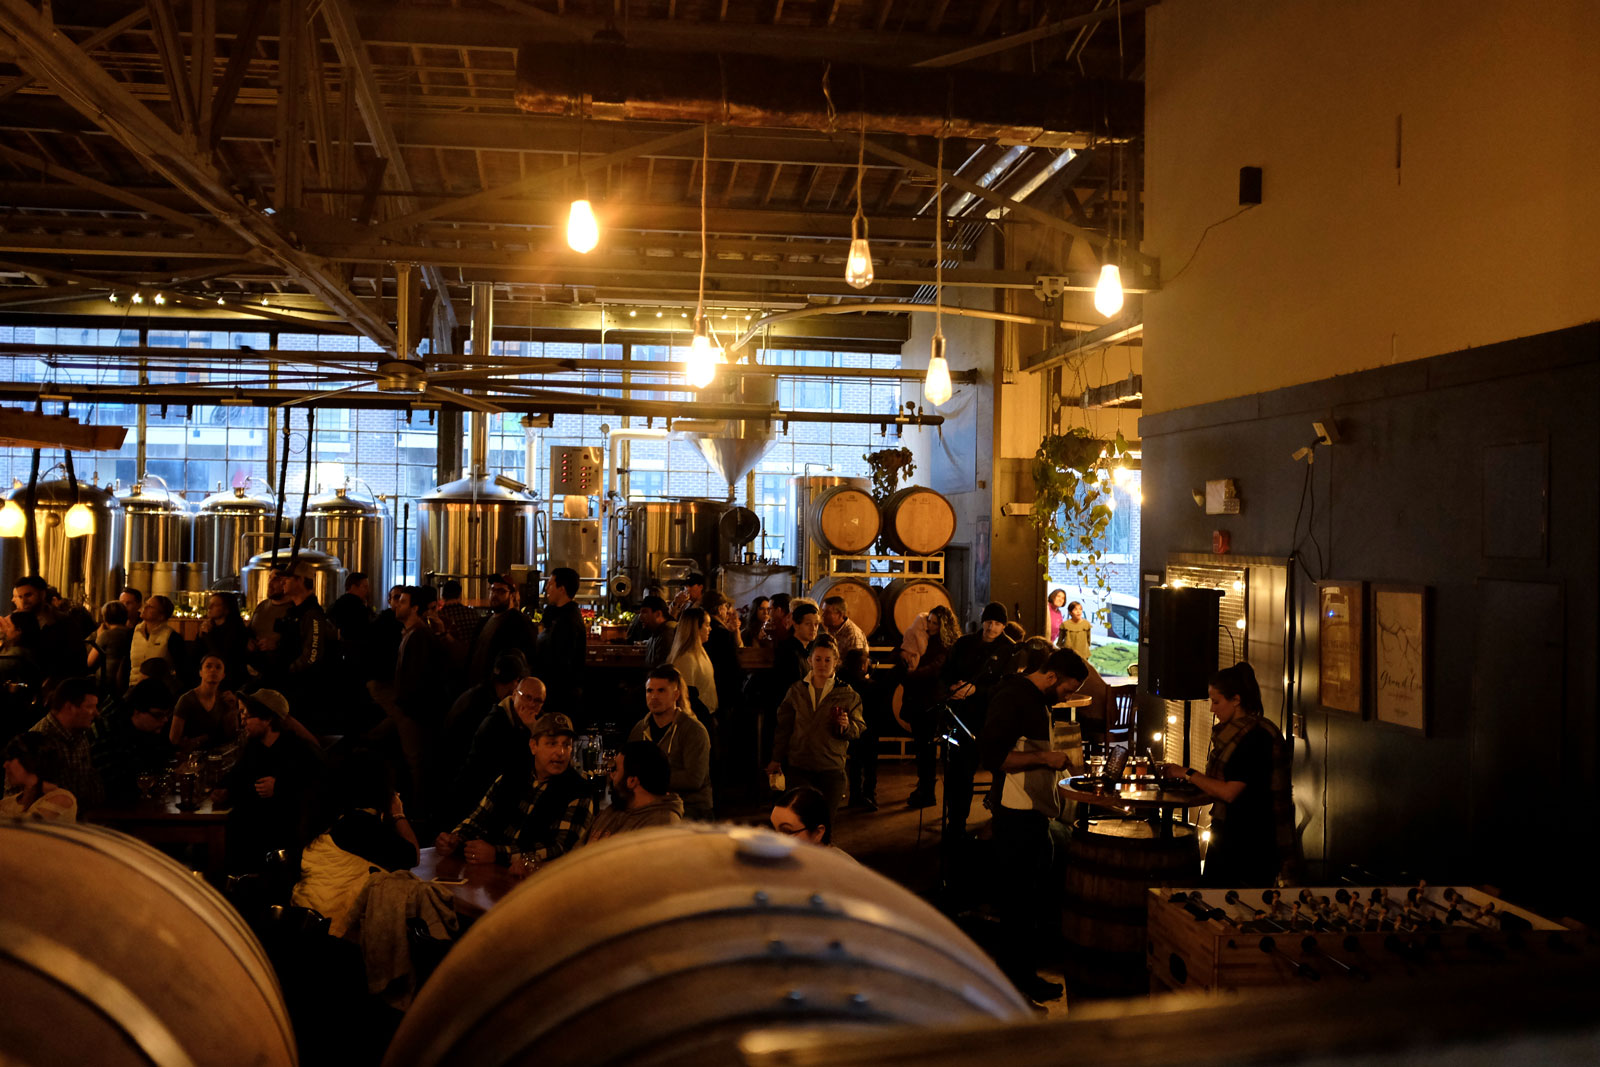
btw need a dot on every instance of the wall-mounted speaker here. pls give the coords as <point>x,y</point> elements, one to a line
<point>1183,640</point>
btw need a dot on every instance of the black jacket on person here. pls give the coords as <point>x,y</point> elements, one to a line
<point>499,747</point>
<point>723,651</point>
<point>558,656</point>
<point>982,663</point>
<point>508,630</point>
<point>230,644</point>
<point>422,673</point>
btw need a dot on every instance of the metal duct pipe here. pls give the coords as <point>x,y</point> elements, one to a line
<point>482,335</point>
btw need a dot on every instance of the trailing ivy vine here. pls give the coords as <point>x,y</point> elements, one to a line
<point>1071,508</point>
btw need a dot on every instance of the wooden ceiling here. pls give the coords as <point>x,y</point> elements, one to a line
<point>294,152</point>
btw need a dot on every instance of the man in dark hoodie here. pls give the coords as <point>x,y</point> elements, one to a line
<point>639,796</point>
<point>975,667</point>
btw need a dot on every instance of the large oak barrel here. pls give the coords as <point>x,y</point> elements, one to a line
<point>844,520</point>
<point>906,598</point>
<point>918,521</point>
<point>112,954</point>
<point>860,599</point>
<point>1110,869</point>
<point>667,946</point>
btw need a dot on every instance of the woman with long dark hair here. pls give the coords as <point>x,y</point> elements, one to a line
<point>1247,772</point>
<point>920,696</point>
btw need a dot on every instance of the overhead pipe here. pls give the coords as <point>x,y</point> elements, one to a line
<point>766,92</point>
<point>482,335</point>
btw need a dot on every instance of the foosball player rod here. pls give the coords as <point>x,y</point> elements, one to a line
<point>1303,970</point>
<point>1311,948</point>
<point>1256,914</point>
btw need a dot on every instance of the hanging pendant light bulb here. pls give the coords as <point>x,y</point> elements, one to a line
<point>936,386</point>
<point>13,520</point>
<point>701,367</point>
<point>1108,293</point>
<point>703,355</point>
<point>79,521</point>
<point>583,229</point>
<point>858,265</point>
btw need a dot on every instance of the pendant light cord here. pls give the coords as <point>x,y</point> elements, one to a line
<point>861,168</point>
<point>705,163</point>
<point>938,242</point>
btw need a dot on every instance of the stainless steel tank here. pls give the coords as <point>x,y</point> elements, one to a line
<point>88,569</point>
<point>575,543</point>
<point>355,527</point>
<point>328,582</point>
<point>809,558</point>
<point>664,540</point>
<point>223,519</point>
<point>471,528</point>
<point>153,525</point>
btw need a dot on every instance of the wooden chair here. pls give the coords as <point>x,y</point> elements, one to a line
<point>1121,709</point>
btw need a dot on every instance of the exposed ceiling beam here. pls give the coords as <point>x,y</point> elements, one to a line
<point>90,43</point>
<point>1038,33</point>
<point>56,61</point>
<point>1129,324</point>
<point>341,22</point>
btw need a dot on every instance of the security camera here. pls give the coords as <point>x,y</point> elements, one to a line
<point>1327,431</point>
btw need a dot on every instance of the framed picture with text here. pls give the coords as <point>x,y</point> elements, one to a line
<point>1399,629</point>
<point>1342,645</point>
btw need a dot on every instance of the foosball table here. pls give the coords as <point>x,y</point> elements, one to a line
<point>1229,939</point>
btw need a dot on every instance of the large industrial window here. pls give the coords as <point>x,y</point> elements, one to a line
<point>197,449</point>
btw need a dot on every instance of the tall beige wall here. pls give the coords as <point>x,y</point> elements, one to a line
<point>1488,230</point>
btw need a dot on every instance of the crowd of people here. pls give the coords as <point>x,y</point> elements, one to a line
<point>325,718</point>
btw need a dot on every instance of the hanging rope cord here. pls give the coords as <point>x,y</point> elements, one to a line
<point>938,241</point>
<point>705,164</point>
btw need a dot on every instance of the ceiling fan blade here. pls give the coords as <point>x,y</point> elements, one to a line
<point>469,374</point>
<point>466,400</point>
<point>321,394</point>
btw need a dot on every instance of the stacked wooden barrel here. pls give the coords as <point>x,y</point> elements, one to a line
<point>915,521</point>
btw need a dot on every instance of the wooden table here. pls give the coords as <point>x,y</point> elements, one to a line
<point>159,821</point>
<point>1157,797</point>
<point>483,885</point>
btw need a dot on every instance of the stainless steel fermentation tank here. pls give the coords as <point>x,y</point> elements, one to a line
<point>87,570</point>
<point>327,580</point>
<point>356,528</point>
<point>155,525</point>
<point>663,541</point>
<point>230,525</point>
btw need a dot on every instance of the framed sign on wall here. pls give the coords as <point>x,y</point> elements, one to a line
<point>1400,656</point>
<point>1341,645</point>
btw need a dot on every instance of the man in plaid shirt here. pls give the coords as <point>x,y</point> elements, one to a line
<point>534,818</point>
<point>73,706</point>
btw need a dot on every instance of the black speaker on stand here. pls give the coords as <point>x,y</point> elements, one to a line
<point>1183,644</point>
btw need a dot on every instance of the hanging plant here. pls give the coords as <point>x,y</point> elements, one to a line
<point>890,466</point>
<point>1072,508</point>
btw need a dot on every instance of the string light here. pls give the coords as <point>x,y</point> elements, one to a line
<point>160,300</point>
<point>138,298</point>
<point>113,298</point>
<point>936,386</point>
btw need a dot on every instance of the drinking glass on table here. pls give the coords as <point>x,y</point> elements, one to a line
<point>524,864</point>
<point>146,781</point>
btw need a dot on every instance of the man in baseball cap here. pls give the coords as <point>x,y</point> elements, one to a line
<point>530,818</point>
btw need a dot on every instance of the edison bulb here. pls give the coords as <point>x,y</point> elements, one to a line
<point>79,521</point>
<point>936,386</point>
<point>1108,294</point>
<point>583,230</point>
<point>13,520</point>
<point>702,363</point>
<point>858,265</point>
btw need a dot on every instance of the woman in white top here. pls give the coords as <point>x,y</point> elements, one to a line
<point>153,638</point>
<point>688,655</point>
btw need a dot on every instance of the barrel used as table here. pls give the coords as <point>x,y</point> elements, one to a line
<point>667,946</point>
<point>1111,863</point>
<point>844,520</point>
<point>918,521</point>
<point>113,954</point>
<point>860,599</point>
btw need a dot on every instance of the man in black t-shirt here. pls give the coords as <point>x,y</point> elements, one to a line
<point>1015,749</point>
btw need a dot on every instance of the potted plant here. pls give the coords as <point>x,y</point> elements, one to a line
<point>1071,475</point>
<point>890,467</point>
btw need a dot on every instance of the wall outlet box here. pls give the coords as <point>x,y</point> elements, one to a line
<point>1249,185</point>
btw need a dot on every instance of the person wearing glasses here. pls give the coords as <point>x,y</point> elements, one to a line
<point>804,813</point>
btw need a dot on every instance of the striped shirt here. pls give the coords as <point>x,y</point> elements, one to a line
<point>505,819</point>
<point>78,775</point>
